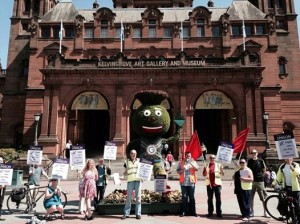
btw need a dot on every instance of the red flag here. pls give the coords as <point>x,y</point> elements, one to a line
<point>239,141</point>
<point>194,146</point>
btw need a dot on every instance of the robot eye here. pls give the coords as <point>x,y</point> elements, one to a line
<point>147,113</point>
<point>158,113</point>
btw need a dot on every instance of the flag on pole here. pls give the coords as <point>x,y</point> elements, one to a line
<point>181,35</point>
<point>60,35</point>
<point>122,37</point>
<point>194,146</point>
<point>244,35</point>
<point>239,141</point>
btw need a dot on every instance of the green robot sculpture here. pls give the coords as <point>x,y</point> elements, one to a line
<point>151,121</point>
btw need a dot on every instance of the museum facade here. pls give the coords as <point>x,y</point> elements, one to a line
<point>80,69</point>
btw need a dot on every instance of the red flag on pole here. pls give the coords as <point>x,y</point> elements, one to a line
<point>183,148</point>
<point>239,141</point>
<point>194,146</point>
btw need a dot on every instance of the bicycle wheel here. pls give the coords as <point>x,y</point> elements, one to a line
<point>64,199</point>
<point>271,204</point>
<point>17,207</point>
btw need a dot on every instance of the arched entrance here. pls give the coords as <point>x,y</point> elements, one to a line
<point>89,123</point>
<point>212,119</point>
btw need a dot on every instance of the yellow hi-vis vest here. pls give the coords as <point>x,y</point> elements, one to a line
<point>218,180</point>
<point>132,170</point>
<point>193,177</point>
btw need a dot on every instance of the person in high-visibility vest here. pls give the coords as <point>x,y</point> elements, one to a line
<point>213,172</point>
<point>243,179</point>
<point>187,170</point>
<point>133,183</point>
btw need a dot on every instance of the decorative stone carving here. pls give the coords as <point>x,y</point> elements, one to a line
<point>79,24</point>
<point>176,30</point>
<point>88,83</point>
<point>271,23</point>
<point>210,3</point>
<point>34,25</point>
<point>127,30</point>
<point>225,23</point>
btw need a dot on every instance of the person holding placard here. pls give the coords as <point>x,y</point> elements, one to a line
<point>243,178</point>
<point>213,172</point>
<point>187,170</point>
<point>133,183</point>
<point>67,149</point>
<point>258,168</point>
<point>101,182</point>
<point>287,175</point>
<point>2,194</point>
<point>88,188</point>
<point>52,200</point>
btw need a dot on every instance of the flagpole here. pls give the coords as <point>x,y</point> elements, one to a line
<point>60,35</point>
<point>121,36</point>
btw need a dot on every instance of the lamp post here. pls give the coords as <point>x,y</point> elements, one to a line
<point>37,117</point>
<point>266,118</point>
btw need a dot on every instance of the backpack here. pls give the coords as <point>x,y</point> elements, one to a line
<point>17,194</point>
<point>268,178</point>
<point>282,206</point>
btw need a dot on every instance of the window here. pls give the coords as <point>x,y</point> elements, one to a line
<point>56,30</point>
<point>36,6</point>
<point>89,32</point>
<point>104,29</point>
<point>45,32</point>
<point>167,32</point>
<point>200,28</point>
<point>27,5</point>
<point>186,32</point>
<point>152,28</point>
<point>25,26</point>
<point>248,30</point>
<point>280,4</point>
<point>69,32</point>
<point>280,24</point>
<point>216,31</point>
<point>137,33</point>
<point>25,66</point>
<point>235,30</point>
<point>260,29</point>
<point>282,62</point>
<point>270,4</point>
<point>118,33</point>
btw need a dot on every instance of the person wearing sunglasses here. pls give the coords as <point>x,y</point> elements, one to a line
<point>243,179</point>
<point>258,168</point>
<point>213,171</point>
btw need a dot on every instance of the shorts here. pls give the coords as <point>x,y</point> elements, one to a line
<point>260,188</point>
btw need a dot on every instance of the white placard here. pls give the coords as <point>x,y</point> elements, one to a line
<point>6,173</point>
<point>144,171</point>
<point>160,183</point>
<point>286,146</point>
<point>116,178</point>
<point>34,155</point>
<point>77,157</point>
<point>60,169</point>
<point>110,151</point>
<point>224,154</point>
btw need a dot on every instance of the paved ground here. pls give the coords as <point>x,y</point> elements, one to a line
<point>229,205</point>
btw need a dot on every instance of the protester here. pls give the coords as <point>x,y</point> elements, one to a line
<point>34,179</point>
<point>243,178</point>
<point>81,205</point>
<point>287,175</point>
<point>133,183</point>
<point>204,150</point>
<point>212,173</point>
<point>67,149</point>
<point>269,177</point>
<point>170,158</point>
<point>187,170</point>
<point>2,194</point>
<point>101,183</point>
<point>52,200</point>
<point>258,168</point>
<point>88,188</point>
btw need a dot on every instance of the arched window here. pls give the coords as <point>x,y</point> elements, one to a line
<point>282,66</point>
<point>104,28</point>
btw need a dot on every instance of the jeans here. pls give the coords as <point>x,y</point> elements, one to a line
<point>244,200</point>
<point>133,185</point>
<point>188,192</point>
<point>210,193</point>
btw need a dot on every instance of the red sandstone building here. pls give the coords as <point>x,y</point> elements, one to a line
<point>220,75</point>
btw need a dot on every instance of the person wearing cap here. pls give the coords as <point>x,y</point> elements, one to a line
<point>52,200</point>
<point>2,194</point>
<point>213,171</point>
<point>258,168</point>
<point>187,170</point>
<point>243,179</point>
<point>287,175</point>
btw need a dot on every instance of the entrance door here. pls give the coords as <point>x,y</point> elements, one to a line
<point>212,126</point>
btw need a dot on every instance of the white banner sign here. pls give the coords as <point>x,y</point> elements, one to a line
<point>60,169</point>
<point>116,178</point>
<point>286,146</point>
<point>6,173</point>
<point>160,183</point>
<point>77,157</point>
<point>144,171</point>
<point>110,151</point>
<point>34,155</point>
<point>224,154</point>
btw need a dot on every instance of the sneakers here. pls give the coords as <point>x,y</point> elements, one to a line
<point>124,217</point>
<point>246,219</point>
<point>266,215</point>
<point>252,214</point>
<point>138,217</point>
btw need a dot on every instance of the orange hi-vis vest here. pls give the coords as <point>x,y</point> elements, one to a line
<point>193,177</point>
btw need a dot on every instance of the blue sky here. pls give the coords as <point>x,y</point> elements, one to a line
<point>6,13</point>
